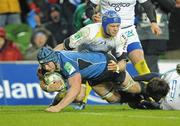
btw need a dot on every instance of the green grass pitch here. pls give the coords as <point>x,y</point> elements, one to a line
<point>107,115</point>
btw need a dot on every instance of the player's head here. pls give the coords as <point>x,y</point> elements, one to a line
<point>111,22</point>
<point>157,88</point>
<point>47,56</point>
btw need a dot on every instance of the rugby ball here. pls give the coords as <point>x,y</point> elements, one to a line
<point>54,78</point>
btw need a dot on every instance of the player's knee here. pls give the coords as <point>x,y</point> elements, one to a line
<point>131,87</point>
<point>114,100</point>
<point>112,97</point>
<point>136,55</point>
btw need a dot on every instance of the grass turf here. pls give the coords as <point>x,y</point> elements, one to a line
<point>107,115</point>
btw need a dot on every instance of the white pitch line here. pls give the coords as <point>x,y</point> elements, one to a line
<point>130,116</point>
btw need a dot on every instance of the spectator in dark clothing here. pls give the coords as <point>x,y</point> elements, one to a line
<point>40,7</point>
<point>154,46</point>
<point>24,10</point>
<point>173,44</point>
<point>68,9</point>
<point>57,26</point>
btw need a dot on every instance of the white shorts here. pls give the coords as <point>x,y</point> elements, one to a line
<point>133,39</point>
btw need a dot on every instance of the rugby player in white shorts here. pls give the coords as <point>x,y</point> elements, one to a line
<point>125,9</point>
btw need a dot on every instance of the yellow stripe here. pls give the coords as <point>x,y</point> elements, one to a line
<point>88,90</point>
<point>100,33</point>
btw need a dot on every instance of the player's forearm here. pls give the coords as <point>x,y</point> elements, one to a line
<point>122,61</point>
<point>122,65</point>
<point>117,66</point>
<point>75,87</point>
<point>59,47</point>
<point>68,99</point>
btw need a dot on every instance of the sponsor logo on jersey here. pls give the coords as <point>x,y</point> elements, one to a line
<point>129,33</point>
<point>118,6</point>
<point>78,36</point>
<point>69,67</point>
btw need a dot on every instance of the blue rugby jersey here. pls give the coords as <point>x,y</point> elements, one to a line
<point>89,65</point>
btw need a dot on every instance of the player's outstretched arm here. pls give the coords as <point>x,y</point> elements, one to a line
<point>75,87</point>
<point>59,47</point>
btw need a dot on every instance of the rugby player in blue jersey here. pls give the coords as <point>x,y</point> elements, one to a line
<point>90,66</point>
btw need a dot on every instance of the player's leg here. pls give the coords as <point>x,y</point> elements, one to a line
<point>137,58</point>
<point>135,51</point>
<point>88,90</point>
<point>129,85</point>
<point>107,92</point>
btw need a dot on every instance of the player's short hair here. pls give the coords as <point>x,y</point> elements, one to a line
<point>157,88</point>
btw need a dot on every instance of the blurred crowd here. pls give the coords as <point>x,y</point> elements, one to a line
<point>27,25</point>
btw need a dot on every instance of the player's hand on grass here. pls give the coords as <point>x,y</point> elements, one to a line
<point>52,109</point>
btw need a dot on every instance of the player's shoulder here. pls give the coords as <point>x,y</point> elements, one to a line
<point>93,26</point>
<point>92,29</point>
<point>64,54</point>
<point>84,32</point>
